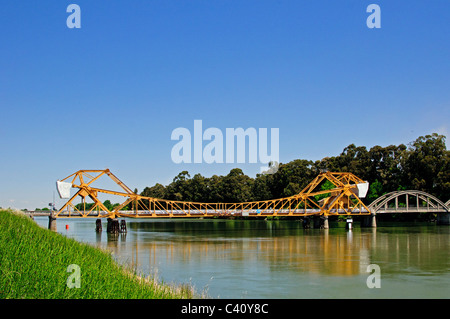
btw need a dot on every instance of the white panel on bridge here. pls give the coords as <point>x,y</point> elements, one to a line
<point>362,189</point>
<point>63,189</point>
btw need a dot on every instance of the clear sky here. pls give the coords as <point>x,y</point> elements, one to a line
<point>109,94</point>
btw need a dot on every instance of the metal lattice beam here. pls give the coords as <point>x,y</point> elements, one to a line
<point>343,199</point>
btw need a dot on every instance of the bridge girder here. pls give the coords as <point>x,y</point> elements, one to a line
<point>343,199</point>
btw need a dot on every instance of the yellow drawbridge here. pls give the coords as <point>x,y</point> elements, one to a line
<point>344,199</point>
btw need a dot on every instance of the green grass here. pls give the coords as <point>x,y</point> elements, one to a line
<point>34,261</point>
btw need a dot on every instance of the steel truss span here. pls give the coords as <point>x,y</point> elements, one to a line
<point>343,199</point>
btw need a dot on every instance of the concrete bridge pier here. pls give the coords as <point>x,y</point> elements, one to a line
<point>320,221</point>
<point>113,226</point>
<point>443,218</point>
<point>98,225</point>
<point>325,222</point>
<point>306,223</point>
<point>349,223</point>
<point>51,222</point>
<point>123,226</point>
<point>317,223</point>
<point>369,221</point>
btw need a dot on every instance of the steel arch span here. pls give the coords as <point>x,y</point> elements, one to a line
<point>408,201</point>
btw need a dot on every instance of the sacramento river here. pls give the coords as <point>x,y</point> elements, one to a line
<point>279,259</point>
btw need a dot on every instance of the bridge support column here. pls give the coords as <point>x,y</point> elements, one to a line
<point>325,222</point>
<point>123,226</point>
<point>112,226</point>
<point>306,223</point>
<point>443,218</point>
<point>369,221</point>
<point>373,222</point>
<point>320,221</point>
<point>51,222</point>
<point>316,221</point>
<point>349,223</point>
<point>98,225</point>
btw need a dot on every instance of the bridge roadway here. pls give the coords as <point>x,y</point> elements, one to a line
<point>198,213</point>
<point>368,221</point>
<point>408,201</point>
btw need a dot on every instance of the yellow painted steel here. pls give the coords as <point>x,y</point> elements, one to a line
<point>342,200</point>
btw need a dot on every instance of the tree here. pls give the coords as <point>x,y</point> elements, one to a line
<point>443,178</point>
<point>356,160</point>
<point>261,187</point>
<point>198,188</point>
<point>297,172</point>
<point>156,191</point>
<point>327,185</point>
<point>86,206</point>
<point>237,187</point>
<point>291,189</point>
<point>179,188</point>
<point>385,166</point>
<point>375,190</point>
<point>214,185</point>
<point>426,164</point>
<point>108,205</point>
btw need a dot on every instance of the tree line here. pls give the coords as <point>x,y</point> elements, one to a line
<point>423,164</point>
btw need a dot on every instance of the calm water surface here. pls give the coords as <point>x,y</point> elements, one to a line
<point>279,259</point>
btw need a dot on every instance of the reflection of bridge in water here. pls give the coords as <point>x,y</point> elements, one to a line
<point>345,199</point>
<point>331,253</point>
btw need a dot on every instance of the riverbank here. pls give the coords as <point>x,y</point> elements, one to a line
<point>36,263</point>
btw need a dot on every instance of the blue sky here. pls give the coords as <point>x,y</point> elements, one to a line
<point>109,95</point>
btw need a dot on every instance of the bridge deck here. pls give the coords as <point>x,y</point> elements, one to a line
<point>247,213</point>
<point>201,213</point>
<point>411,210</point>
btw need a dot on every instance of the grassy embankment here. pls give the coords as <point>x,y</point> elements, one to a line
<point>34,264</point>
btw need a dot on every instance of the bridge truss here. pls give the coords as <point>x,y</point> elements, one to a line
<point>343,199</point>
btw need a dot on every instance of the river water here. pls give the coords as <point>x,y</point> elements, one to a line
<point>280,259</point>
